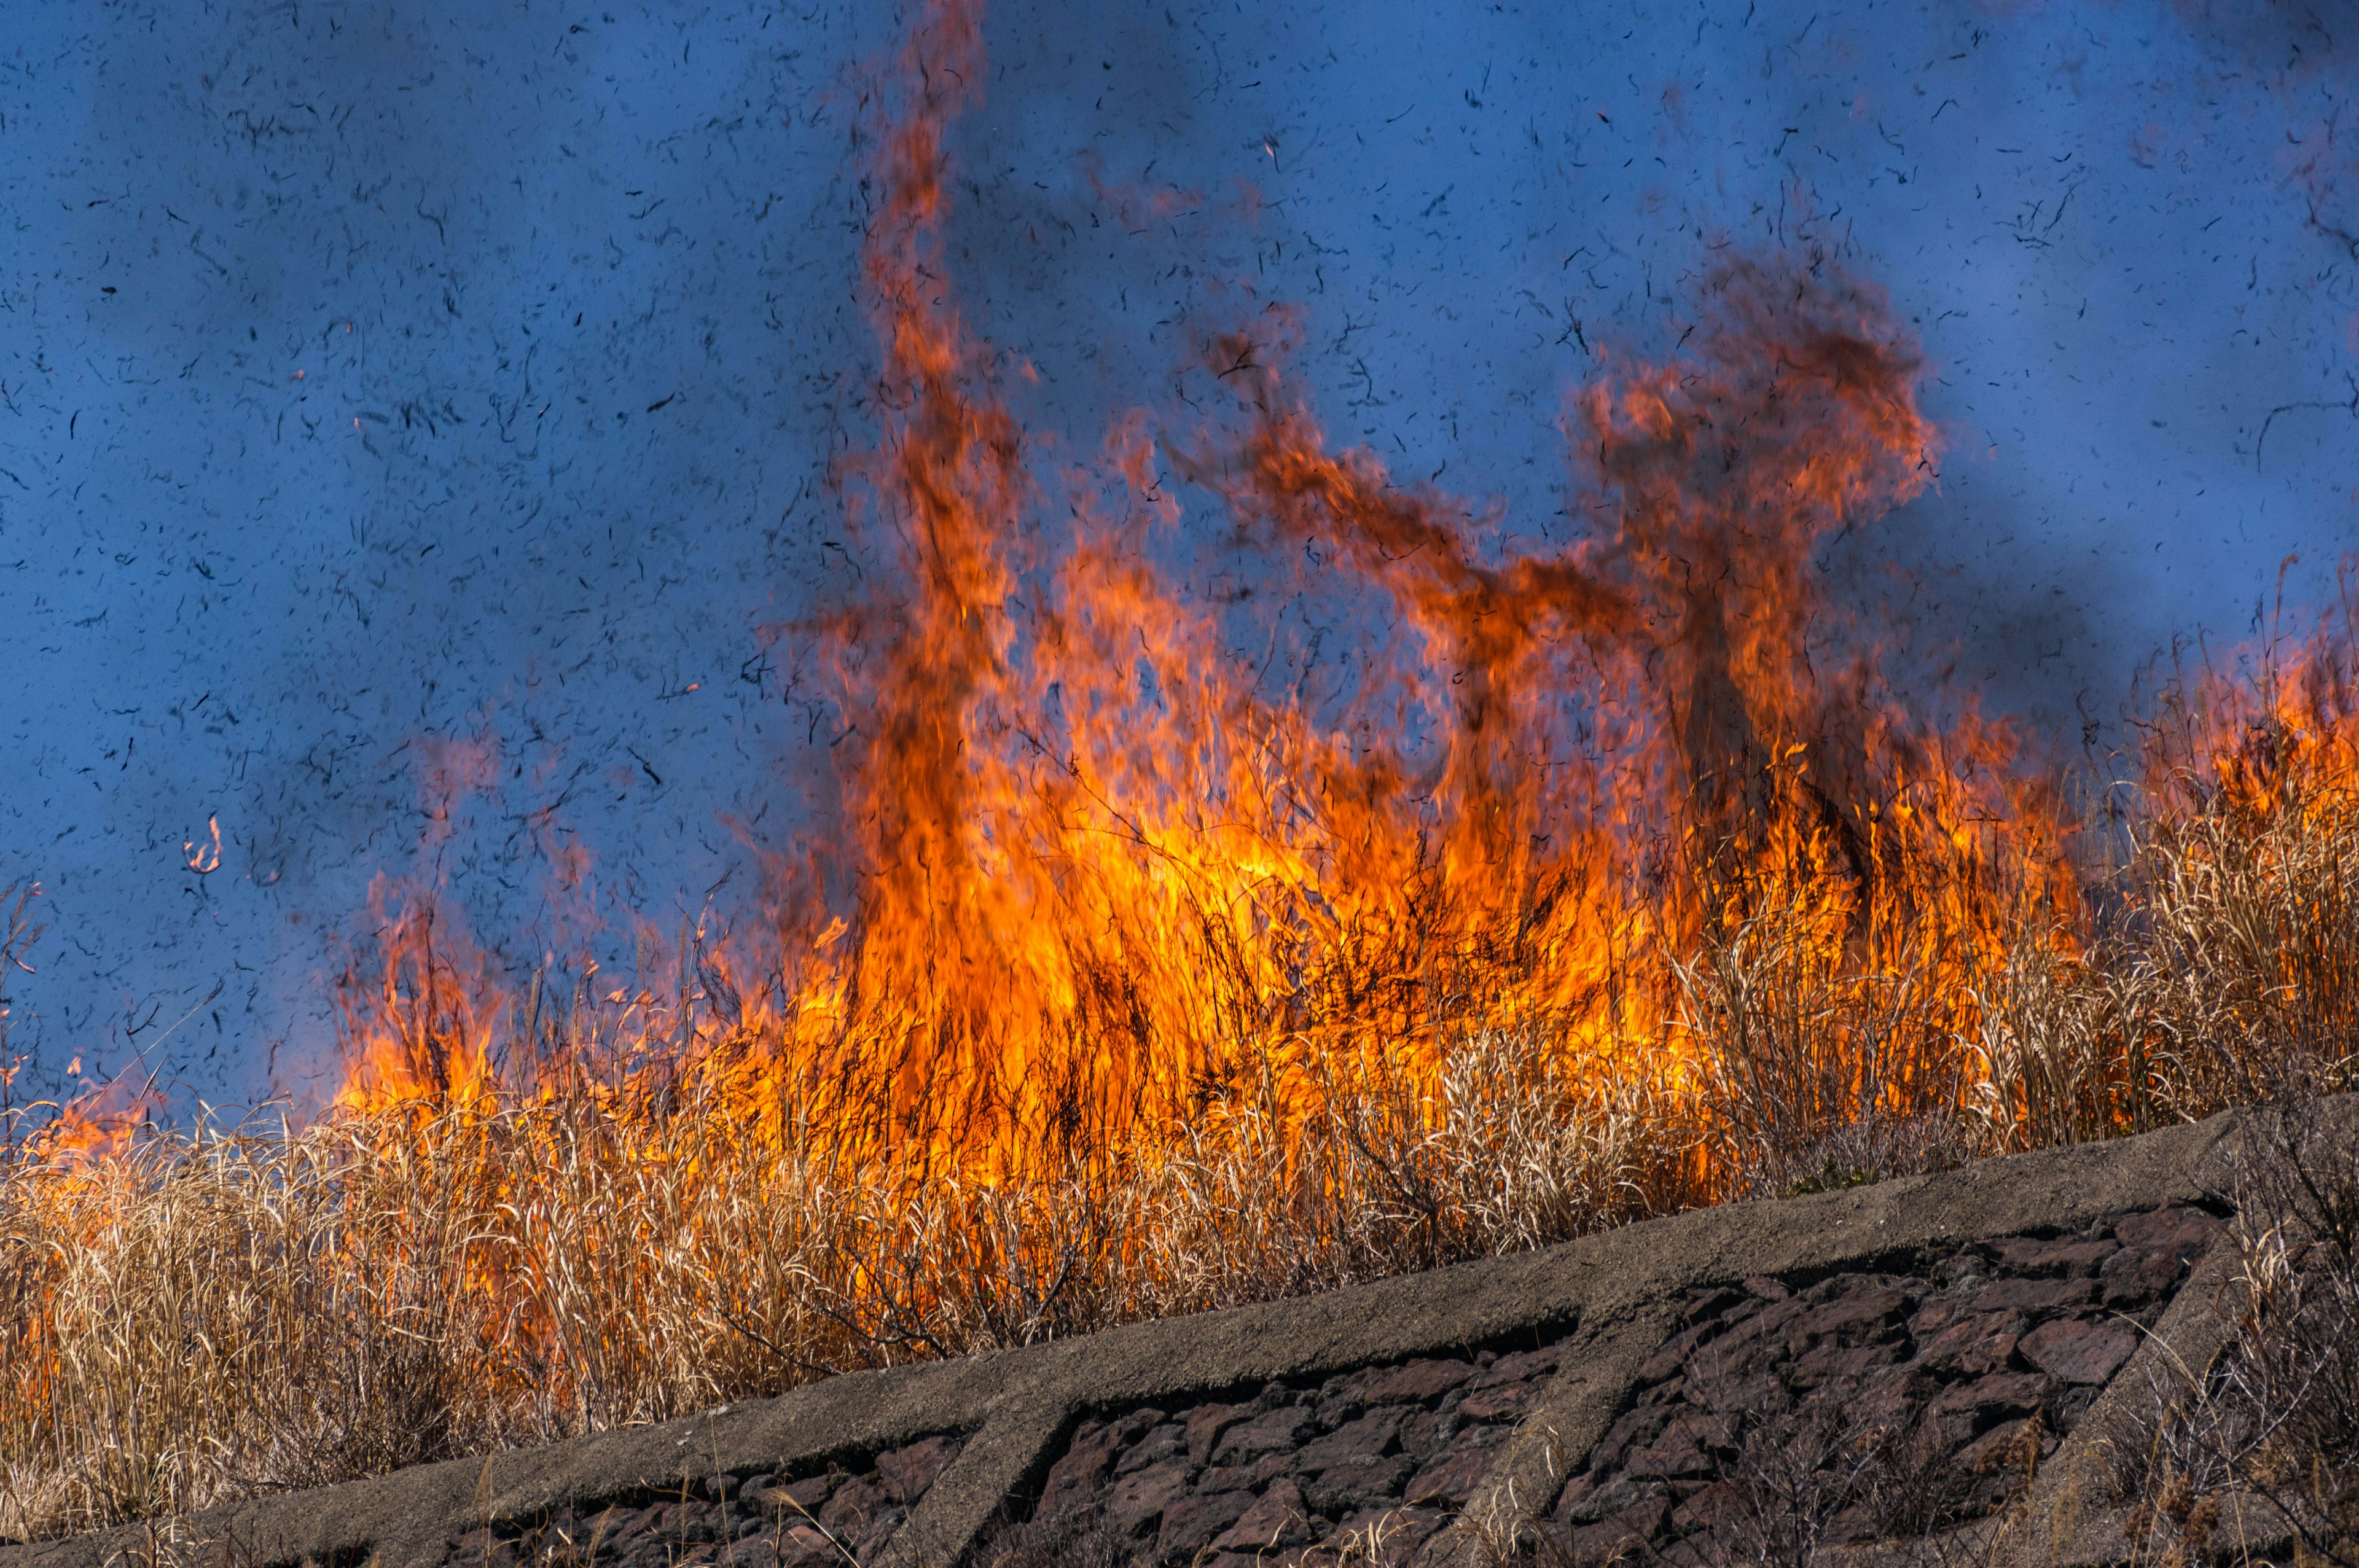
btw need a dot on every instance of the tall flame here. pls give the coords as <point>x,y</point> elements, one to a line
<point>1093,875</point>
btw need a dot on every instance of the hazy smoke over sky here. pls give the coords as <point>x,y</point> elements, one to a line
<point>410,402</point>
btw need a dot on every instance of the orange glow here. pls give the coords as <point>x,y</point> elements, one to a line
<point>1092,876</point>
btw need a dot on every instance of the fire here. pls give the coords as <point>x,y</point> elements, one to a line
<point>1090,876</point>
<point>1123,980</point>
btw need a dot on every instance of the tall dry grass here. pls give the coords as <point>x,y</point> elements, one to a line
<point>231,1310</point>
<point>223,1310</point>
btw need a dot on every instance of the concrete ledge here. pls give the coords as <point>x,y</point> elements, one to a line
<point>1014,1407</point>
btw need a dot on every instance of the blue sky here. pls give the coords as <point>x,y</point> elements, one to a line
<point>377,375</point>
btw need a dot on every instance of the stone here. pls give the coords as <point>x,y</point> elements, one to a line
<point>1715,1507</point>
<point>1863,1312</point>
<point>1683,1449</point>
<point>1164,1441</point>
<point>1676,1351</point>
<point>1190,1523</point>
<point>2184,1231</point>
<point>806,1495</point>
<point>908,1472</point>
<point>1998,1394</point>
<point>1361,1442</point>
<point>1973,1345</point>
<point>2036,1295</point>
<point>1205,1424</point>
<point>2157,1249</point>
<point>851,1507</point>
<point>1994,1451</point>
<point>1278,1430</point>
<point>1388,1535</point>
<point>802,1544</point>
<point>2079,1350</point>
<point>1710,1303</point>
<point>870,1544</point>
<point>1425,1433</point>
<point>1136,1503</point>
<point>2069,1256</point>
<point>1074,1479</point>
<point>1621,1539</point>
<point>1418,1382</point>
<point>1828,1362</point>
<point>1507,1403</point>
<point>1515,1367</point>
<point>1452,1478</point>
<point>1343,1488</point>
<point>1278,1518</point>
<point>1250,1477</point>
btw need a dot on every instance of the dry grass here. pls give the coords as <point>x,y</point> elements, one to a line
<point>2262,1442</point>
<point>221,1311</point>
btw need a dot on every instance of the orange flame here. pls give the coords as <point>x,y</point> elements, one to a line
<point>1090,876</point>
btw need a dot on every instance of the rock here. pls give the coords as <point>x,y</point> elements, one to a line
<point>1074,1479</point>
<point>2036,1295</point>
<point>1507,1403</point>
<point>1343,1488</point>
<point>1998,1394</point>
<point>850,1508</point>
<point>1278,1430</point>
<point>1425,1433</point>
<point>1994,1451</point>
<point>806,1495</point>
<point>908,1472</point>
<point>1621,1539</point>
<point>1205,1424</point>
<point>1161,1442</point>
<point>1452,1478</point>
<point>1247,1477</point>
<point>2079,1350</point>
<point>1278,1518</point>
<point>1683,1450</point>
<point>1982,1343</point>
<point>1418,1382</point>
<point>1387,1535</point>
<point>1710,1303</point>
<point>1715,1507</point>
<point>1515,1367</point>
<point>2156,1251</point>
<point>1862,1313</point>
<point>1136,1503</point>
<point>1676,1351</point>
<point>1189,1523</point>
<point>1361,1442</point>
<point>805,1544</point>
<point>1828,1362</point>
<point>870,1544</point>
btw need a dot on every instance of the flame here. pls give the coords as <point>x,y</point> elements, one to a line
<point>205,858</point>
<point>1129,972</point>
<point>1091,876</point>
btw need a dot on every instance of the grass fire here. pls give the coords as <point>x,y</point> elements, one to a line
<point>1595,882</point>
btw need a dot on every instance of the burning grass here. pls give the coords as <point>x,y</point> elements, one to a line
<point>1613,878</point>
<point>205,1314</point>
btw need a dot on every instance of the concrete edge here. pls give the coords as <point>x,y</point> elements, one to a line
<point>1608,1278</point>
